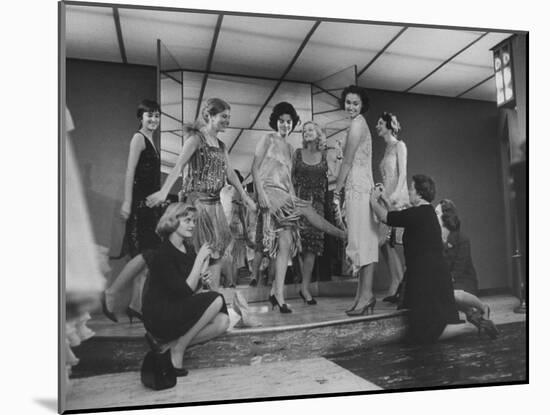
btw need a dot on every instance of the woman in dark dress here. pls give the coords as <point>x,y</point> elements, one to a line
<point>174,315</point>
<point>428,286</point>
<point>142,178</point>
<point>309,176</point>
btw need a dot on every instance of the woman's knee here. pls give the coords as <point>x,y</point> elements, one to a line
<point>221,322</point>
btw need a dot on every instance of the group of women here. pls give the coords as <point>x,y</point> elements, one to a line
<point>183,249</point>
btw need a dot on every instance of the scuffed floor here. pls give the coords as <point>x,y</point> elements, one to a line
<point>464,360</point>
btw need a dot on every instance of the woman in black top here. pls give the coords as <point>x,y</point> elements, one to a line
<point>457,254</point>
<point>174,315</point>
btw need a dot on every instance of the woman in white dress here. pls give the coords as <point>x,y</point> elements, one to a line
<point>393,169</point>
<point>356,175</point>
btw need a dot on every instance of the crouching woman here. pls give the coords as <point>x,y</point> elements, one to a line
<point>174,314</point>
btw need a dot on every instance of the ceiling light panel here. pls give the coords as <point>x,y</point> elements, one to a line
<point>187,36</point>
<point>485,92</point>
<point>91,34</point>
<point>258,46</point>
<point>413,55</point>
<point>452,79</point>
<point>335,46</point>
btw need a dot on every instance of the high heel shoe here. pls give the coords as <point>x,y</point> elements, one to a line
<point>483,325</point>
<point>308,302</point>
<point>131,313</point>
<point>352,306</point>
<point>363,310</point>
<point>282,308</point>
<point>108,313</point>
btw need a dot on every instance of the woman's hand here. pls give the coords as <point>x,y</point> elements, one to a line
<point>206,279</point>
<point>376,193</point>
<point>204,253</point>
<point>125,210</point>
<point>250,203</point>
<point>155,199</point>
<point>262,199</point>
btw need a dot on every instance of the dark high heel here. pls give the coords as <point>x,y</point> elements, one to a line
<point>363,310</point>
<point>392,299</point>
<point>131,313</point>
<point>275,303</point>
<point>483,325</point>
<point>253,282</point>
<point>108,313</point>
<point>308,302</point>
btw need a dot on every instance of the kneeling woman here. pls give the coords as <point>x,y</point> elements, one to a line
<point>173,314</point>
<point>428,288</point>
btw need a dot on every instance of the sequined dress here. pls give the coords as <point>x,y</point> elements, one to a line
<point>142,222</point>
<point>205,178</point>
<point>362,247</point>
<point>310,183</point>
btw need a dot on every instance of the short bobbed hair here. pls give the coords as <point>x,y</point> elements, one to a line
<point>449,215</point>
<point>318,131</point>
<point>354,89</point>
<point>424,186</point>
<point>147,105</point>
<point>213,107</point>
<point>391,122</point>
<point>280,109</point>
<point>169,221</point>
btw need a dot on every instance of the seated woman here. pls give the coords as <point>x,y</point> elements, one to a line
<point>428,290</point>
<point>456,250</point>
<point>174,314</point>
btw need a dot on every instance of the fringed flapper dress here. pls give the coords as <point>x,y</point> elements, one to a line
<point>275,177</point>
<point>389,170</point>
<point>206,176</point>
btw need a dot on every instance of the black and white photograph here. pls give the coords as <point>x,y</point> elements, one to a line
<point>270,206</point>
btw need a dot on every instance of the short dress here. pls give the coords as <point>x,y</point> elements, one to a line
<point>389,170</point>
<point>141,224</point>
<point>275,178</point>
<point>429,292</point>
<point>310,184</point>
<point>204,180</point>
<point>170,307</point>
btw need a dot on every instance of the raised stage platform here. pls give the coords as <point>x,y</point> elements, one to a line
<point>308,331</point>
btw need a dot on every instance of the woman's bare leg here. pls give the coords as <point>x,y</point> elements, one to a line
<point>181,344</point>
<point>135,267</point>
<point>465,301</point>
<point>137,291</point>
<point>364,287</point>
<point>321,223</point>
<point>453,330</point>
<point>281,264</point>
<point>308,261</point>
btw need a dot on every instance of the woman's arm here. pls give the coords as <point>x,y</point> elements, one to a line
<point>189,147</point>
<point>259,155</point>
<point>199,266</point>
<point>401,168</point>
<point>235,182</point>
<point>352,143</point>
<point>379,210</point>
<point>137,145</point>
